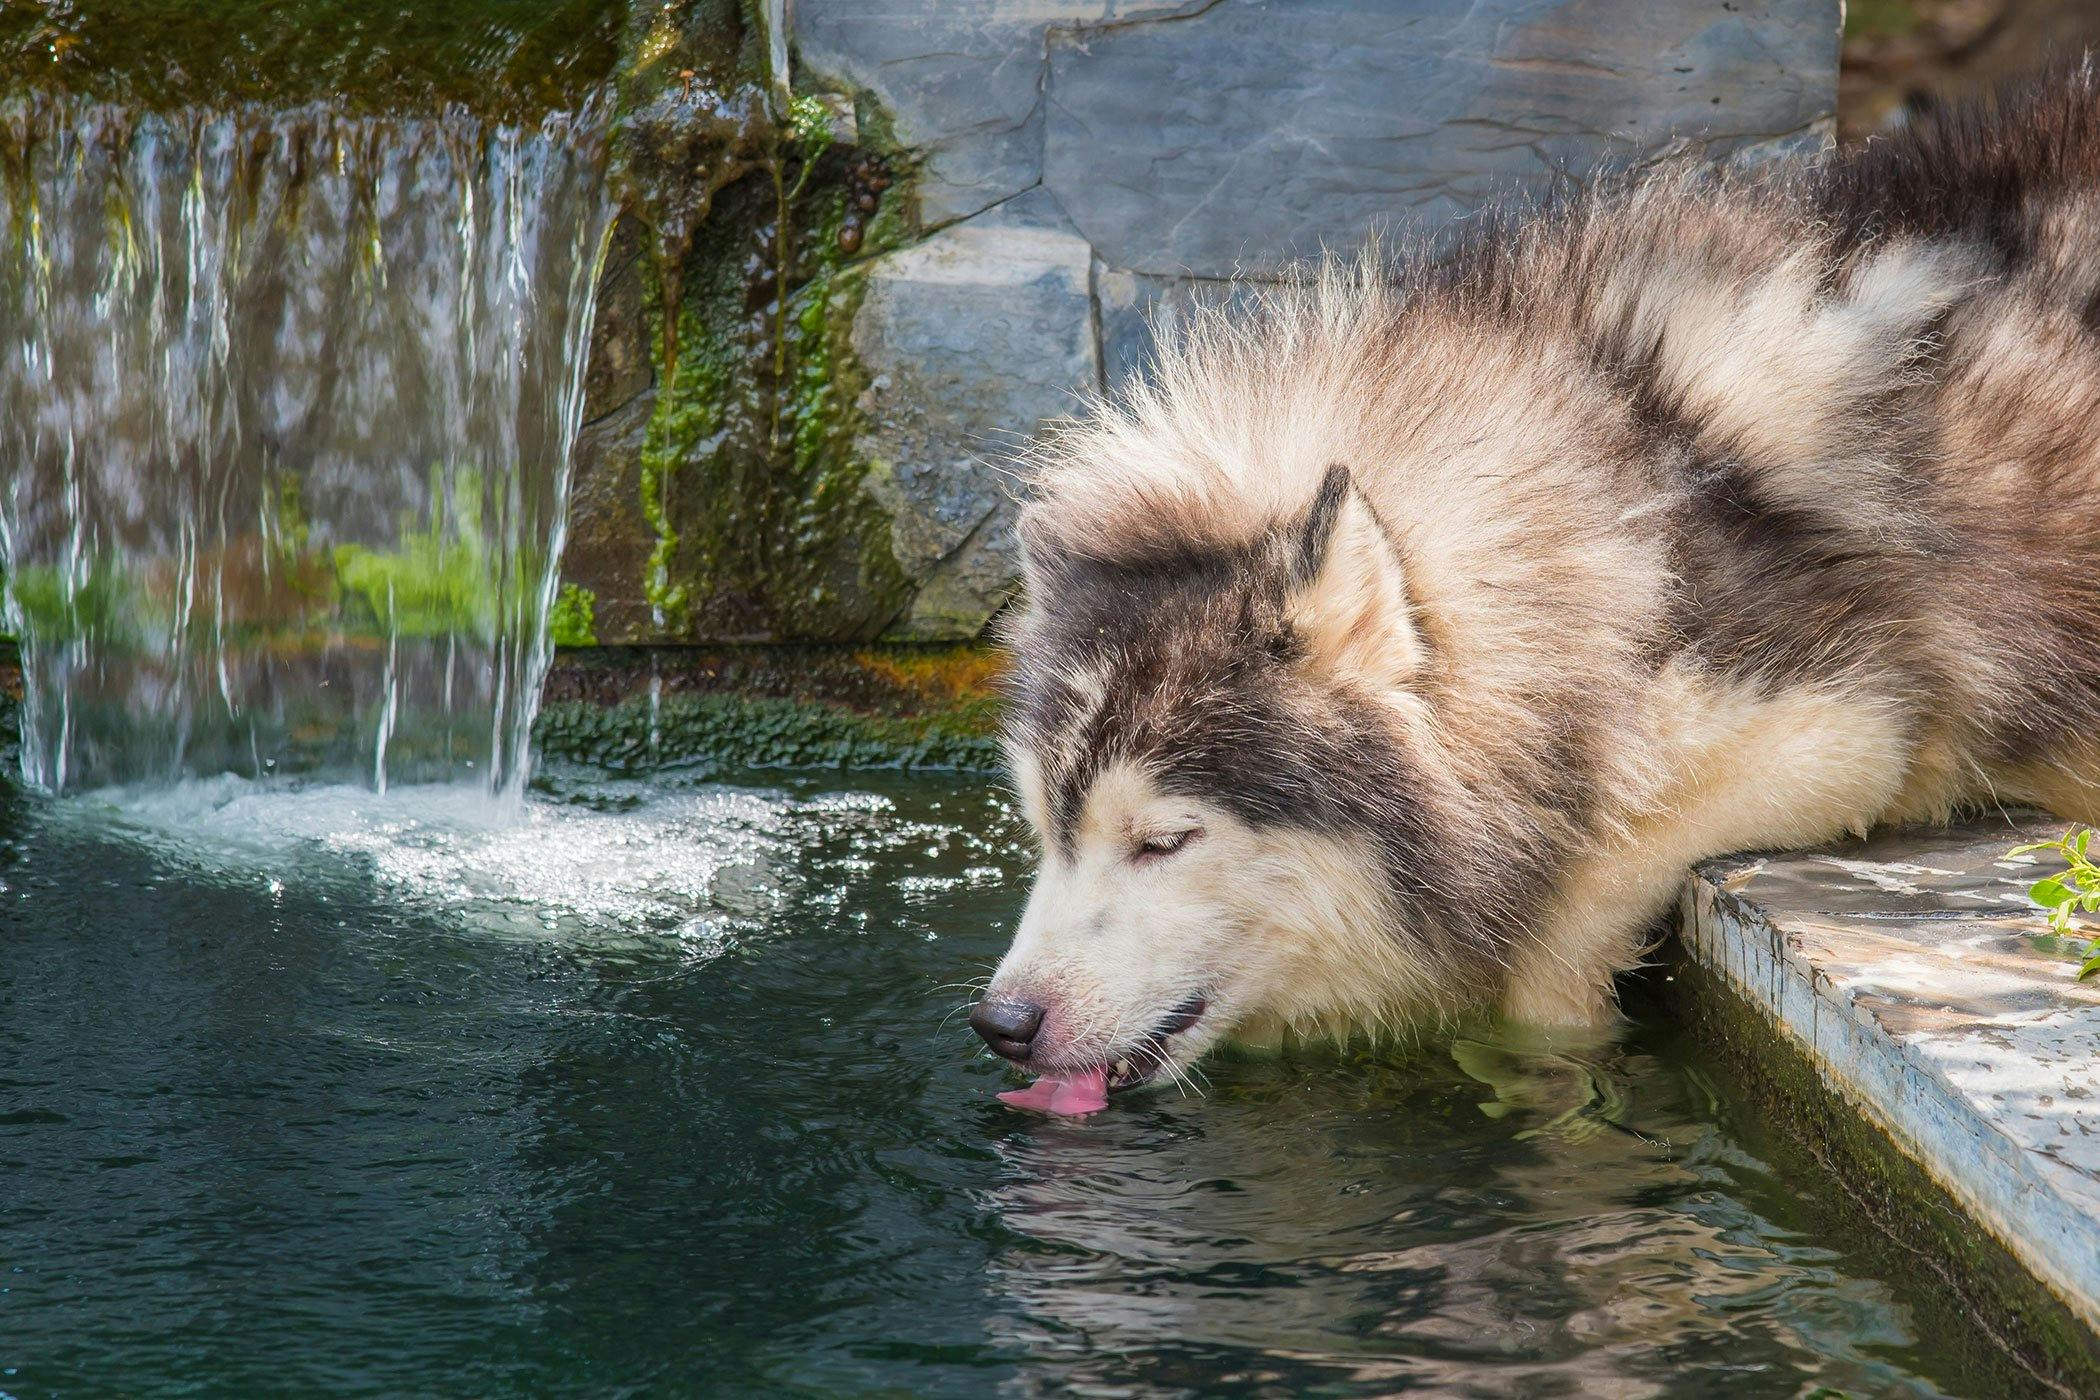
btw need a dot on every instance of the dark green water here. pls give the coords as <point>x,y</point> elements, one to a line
<point>652,1094</point>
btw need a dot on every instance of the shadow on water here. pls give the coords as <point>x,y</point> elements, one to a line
<point>651,1093</point>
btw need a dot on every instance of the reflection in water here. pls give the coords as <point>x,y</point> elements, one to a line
<point>307,1094</point>
<point>1375,1228</point>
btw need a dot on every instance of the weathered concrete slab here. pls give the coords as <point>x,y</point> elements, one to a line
<point>1914,973</point>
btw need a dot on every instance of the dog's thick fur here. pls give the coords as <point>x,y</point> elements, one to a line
<point>1430,621</point>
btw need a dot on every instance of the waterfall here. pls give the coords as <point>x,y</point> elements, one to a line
<point>286,405</point>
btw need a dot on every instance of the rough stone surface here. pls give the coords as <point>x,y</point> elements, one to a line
<point>962,80</point>
<point>1917,976</point>
<point>1251,135</point>
<point>1080,171</point>
<point>972,337</point>
<point>1135,308</point>
<point>609,539</point>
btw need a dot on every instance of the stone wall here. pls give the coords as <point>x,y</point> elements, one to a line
<point>978,208</point>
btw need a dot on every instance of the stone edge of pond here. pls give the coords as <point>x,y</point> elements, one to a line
<point>1926,1164</point>
<point>634,709</point>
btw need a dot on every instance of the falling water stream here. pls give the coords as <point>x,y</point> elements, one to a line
<point>287,399</point>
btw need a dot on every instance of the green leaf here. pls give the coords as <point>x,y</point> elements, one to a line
<point>2091,966</point>
<point>2033,846</point>
<point>2051,893</point>
<point>2078,842</point>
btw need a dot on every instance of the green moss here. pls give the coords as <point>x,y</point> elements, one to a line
<point>107,605</point>
<point>634,708</point>
<point>689,410</point>
<point>718,41</point>
<point>427,588</point>
<point>823,424</point>
<point>751,483</point>
<point>753,732</point>
<point>441,579</point>
<point>573,621</point>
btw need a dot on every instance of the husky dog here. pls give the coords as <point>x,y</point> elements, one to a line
<point>1396,648</point>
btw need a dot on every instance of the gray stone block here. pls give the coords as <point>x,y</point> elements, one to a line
<point>1136,308</point>
<point>971,338</point>
<point>1255,133</point>
<point>1091,169</point>
<point>961,79</point>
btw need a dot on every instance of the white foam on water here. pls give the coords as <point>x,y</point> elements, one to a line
<point>613,858</point>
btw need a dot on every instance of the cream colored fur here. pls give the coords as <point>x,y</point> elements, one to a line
<point>1276,929</point>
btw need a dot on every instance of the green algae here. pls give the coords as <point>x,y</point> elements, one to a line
<point>748,482</point>
<point>759,211</point>
<point>732,731</point>
<point>438,579</point>
<point>634,709</point>
<point>278,587</point>
<point>573,620</point>
<point>751,483</point>
<point>429,587</point>
<point>690,409</point>
<point>106,604</point>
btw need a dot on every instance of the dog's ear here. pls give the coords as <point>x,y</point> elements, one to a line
<point>1346,591</point>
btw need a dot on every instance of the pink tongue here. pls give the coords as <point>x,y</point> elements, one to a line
<point>1083,1093</point>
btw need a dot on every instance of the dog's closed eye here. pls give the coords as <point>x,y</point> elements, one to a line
<point>1162,844</point>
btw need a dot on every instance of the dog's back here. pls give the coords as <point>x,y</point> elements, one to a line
<point>2006,456</point>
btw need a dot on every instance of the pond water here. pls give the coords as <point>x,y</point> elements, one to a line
<point>661,1090</point>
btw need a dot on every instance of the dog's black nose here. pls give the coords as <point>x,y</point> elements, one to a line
<point>1009,1027</point>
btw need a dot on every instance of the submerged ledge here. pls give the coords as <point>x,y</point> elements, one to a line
<point>632,709</point>
<point>1902,993</point>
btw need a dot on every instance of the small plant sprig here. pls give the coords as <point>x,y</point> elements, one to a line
<point>2076,891</point>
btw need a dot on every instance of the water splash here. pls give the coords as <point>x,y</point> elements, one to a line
<point>610,860</point>
<point>286,405</point>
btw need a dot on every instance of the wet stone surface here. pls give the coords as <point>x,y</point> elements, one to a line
<point>1011,290</point>
<point>1927,988</point>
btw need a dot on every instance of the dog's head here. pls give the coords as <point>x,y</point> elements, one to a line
<point>1232,779</point>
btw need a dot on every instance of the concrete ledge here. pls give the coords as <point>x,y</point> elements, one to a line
<point>1914,977</point>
